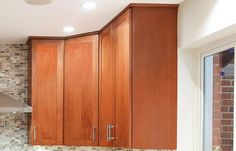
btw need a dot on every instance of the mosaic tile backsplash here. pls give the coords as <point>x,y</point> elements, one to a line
<point>15,81</point>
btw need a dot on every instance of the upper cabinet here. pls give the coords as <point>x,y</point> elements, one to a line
<point>115,89</point>
<point>47,92</point>
<point>141,49</point>
<point>81,91</point>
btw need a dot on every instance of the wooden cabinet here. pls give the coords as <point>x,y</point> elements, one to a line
<point>65,91</point>
<point>141,49</point>
<point>69,114</point>
<point>124,95</point>
<point>81,91</point>
<point>47,92</point>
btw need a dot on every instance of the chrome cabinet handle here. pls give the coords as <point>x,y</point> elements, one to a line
<point>109,129</point>
<point>94,133</point>
<point>112,137</point>
<point>108,132</point>
<point>34,133</point>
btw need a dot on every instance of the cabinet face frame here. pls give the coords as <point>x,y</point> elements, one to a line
<point>36,127</point>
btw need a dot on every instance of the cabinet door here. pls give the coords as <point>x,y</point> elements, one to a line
<point>81,91</point>
<point>106,87</point>
<point>122,126</point>
<point>47,92</point>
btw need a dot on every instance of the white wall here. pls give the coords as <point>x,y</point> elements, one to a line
<point>186,97</point>
<point>200,22</point>
<point>199,19</point>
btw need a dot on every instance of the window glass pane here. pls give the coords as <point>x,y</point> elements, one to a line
<point>219,101</point>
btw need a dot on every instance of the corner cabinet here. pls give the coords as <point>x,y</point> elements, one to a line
<point>47,92</point>
<point>113,88</point>
<point>138,79</point>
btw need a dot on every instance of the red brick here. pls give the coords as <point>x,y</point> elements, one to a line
<point>228,128</point>
<point>216,132</point>
<point>226,96</point>
<point>227,89</point>
<point>226,122</point>
<point>217,107</point>
<point>216,115</point>
<point>224,108</point>
<point>226,82</point>
<point>228,77</point>
<point>227,115</point>
<point>216,141</point>
<point>216,97</point>
<point>227,102</point>
<point>227,148</point>
<point>227,141</point>
<point>217,88</point>
<point>217,78</point>
<point>217,123</point>
<point>226,135</point>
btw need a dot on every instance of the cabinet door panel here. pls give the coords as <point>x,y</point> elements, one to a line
<point>106,80</point>
<point>81,91</point>
<point>121,29</point>
<point>47,92</point>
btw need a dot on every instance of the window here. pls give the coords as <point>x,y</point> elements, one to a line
<point>218,101</point>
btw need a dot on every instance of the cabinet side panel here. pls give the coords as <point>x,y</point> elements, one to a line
<point>154,77</point>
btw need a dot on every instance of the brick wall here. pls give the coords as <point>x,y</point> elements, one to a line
<point>223,96</point>
<point>217,101</point>
<point>227,109</point>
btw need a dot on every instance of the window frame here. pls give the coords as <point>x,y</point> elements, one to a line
<point>200,105</point>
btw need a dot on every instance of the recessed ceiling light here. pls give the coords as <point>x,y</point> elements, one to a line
<point>68,29</point>
<point>89,5</point>
<point>38,2</point>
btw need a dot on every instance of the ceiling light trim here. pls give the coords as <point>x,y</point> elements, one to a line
<point>89,5</point>
<point>68,29</point>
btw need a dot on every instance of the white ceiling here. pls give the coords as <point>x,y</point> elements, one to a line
<point>19,20</point>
